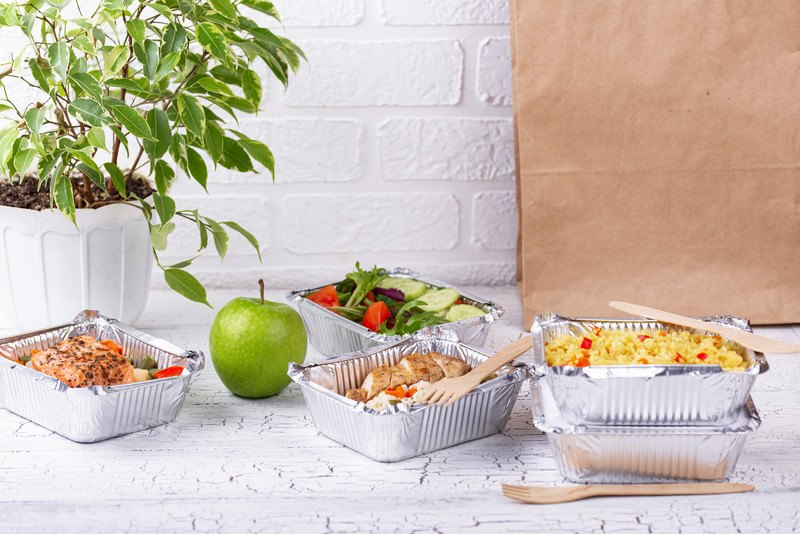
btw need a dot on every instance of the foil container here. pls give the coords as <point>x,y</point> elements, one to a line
<point>95,413</point>
<point>404,431</point>
<point>644,394</point>
<point>641,454</point>
<point>331,334</point>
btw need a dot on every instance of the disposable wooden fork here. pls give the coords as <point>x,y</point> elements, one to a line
<point>548,495</point>
<point>747,339</point>
<point>449,390</point>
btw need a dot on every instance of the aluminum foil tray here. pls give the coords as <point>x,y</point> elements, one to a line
<point>331,334</point>
<point>98,412</point>
<point>644,394</point>
<point>641,454</point>
<point>405,431</point>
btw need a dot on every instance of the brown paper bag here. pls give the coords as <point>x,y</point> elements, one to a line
<point>658,147</point>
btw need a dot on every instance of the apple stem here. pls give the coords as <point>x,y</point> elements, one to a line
<point>261,289</point>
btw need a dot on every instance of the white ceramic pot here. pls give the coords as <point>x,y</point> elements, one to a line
<point>50,271</point>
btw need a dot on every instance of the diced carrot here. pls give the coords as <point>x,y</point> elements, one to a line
<point>597,330</point>
<point>643,361</point>
<point>110,344</point>
<point>582,362</point>
<point>411,392</point>
<point>643,337</point>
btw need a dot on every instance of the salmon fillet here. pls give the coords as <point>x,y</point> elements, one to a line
<point>83,361</point>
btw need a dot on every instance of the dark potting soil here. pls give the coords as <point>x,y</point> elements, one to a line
<point>26,195</point>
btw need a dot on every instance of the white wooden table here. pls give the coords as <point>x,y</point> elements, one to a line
<point>236,465</point>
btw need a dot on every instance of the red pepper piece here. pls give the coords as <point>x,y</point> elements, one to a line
<point>377,314</point>
<point>326,297</point>
<point>597,331</point>
<point>702,356</point>
<point>679,358</point>
<point>167,372</point>
<point>586,343</point>
<point>643,337</point>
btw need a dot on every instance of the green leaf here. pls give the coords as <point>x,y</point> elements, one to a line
<point>234,156</point>
<point>164,176</point>
<point>62,192</point>
<point>23,160</point>
<point>213,40</point>
<point>39,75</point>
<point>117,178</point>
<point>224,8</point>
<point>84,44</point>
<point>165,11</point>
<point>34,118</point>
<point>214,86</point>
<point>251,85</point>
<point>165,207</point>
<point>114,60</point>
<point>58,55</point>
<point>224,74</point>
<point>259,152</point>
<point>150,63</point>
<point>87,110</point>
<point>136,30</point>
<point>159,234</point>
<point>213,141</point>
<point>174,39</point>
<point>98,34</point>
<point>247,235</point>
<point>264,7</point>
<point>97,138</point>
<point>159,126</point>
<point>196,166</point>
<point>201,228</point>
<point>167,65</point>
<point>121,136</point>
<point>187,285</point>
<point>220,236</point>
<point>46,165</point>
<point>191,113</point>
<point>127,83</point>
<point>93,173</point>
<point>134,122</point>
<point>87,83</point>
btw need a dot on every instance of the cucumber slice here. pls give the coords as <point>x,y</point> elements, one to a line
<point>148,363</point>
<point>411,288</point>
<point>459,312</point>
<point>438,299</point>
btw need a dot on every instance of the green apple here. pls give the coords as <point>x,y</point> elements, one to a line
<point>252,342</point>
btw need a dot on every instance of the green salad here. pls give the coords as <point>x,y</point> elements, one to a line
<point>393,305</point>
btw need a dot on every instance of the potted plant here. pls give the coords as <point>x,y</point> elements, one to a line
<point>127,92</point>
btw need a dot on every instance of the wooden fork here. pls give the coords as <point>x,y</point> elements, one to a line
<point>449,390</point>
<point>746,339</point>
<point>546,495</point>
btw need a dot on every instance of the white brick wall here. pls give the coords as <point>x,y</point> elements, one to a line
<point>393,146</point>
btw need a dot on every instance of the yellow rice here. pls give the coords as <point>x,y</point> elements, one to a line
<point>613,347</point>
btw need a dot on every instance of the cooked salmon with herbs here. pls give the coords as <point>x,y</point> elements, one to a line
<point>84,361</point>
